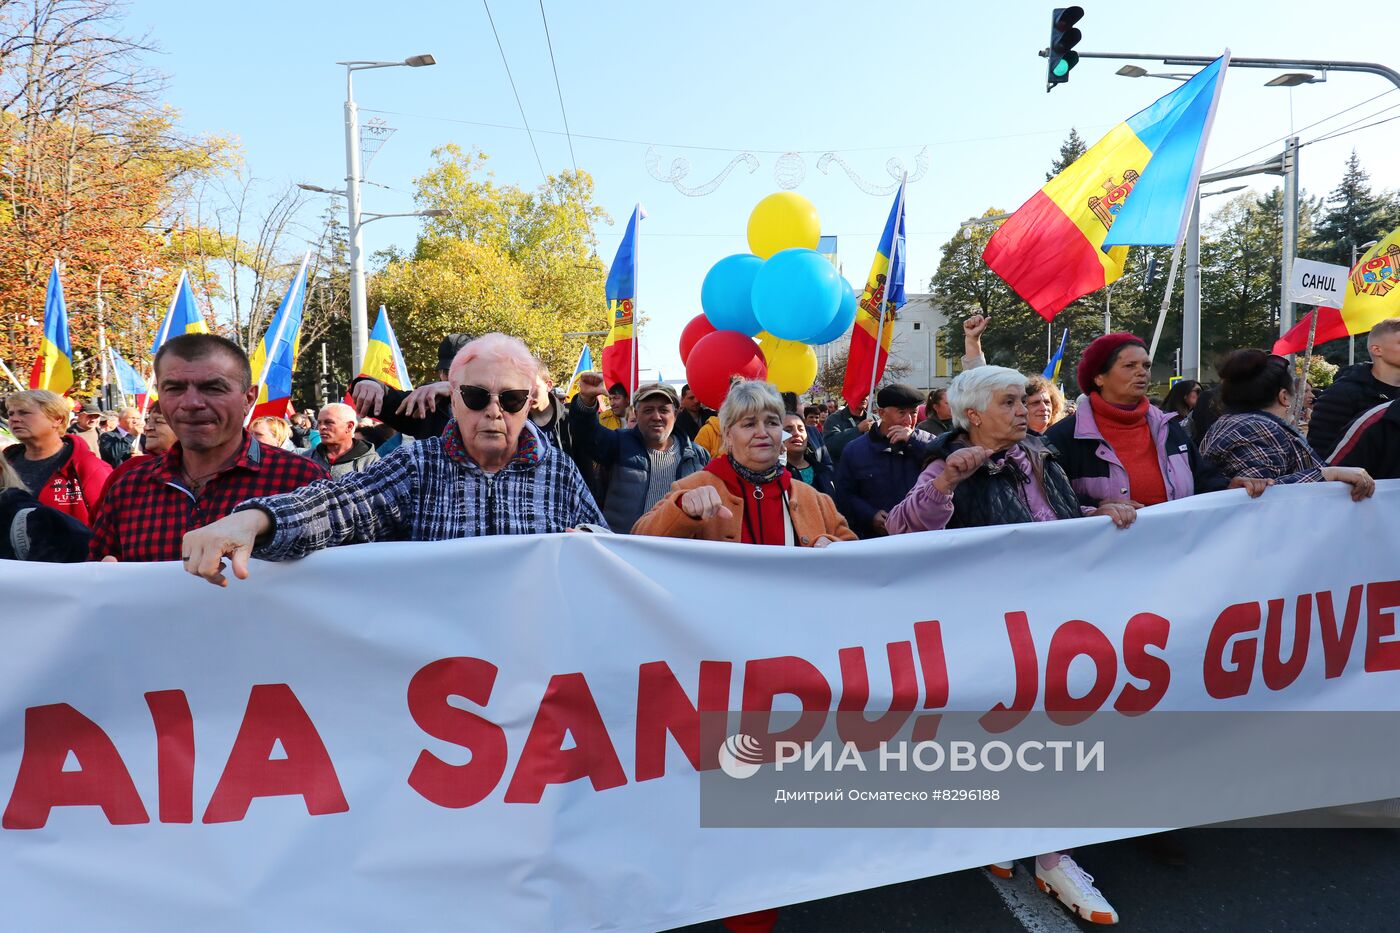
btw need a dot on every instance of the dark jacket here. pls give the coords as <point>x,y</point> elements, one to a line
<point>360,456</point>
<point>1354,391</point>
<point>1372,442</point>
<point>624,453</point>
<point>115,448</point>
<point>987,498</point>
<point>935,425</point>
<point>430,425</point>
<point>872,476</point>
<point>1097,474</point>
<point>30,530</point>
<point>841,428</point>
<point>689,425</point>
<point>823,473</point>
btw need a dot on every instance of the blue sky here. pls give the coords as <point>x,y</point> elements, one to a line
<point>869,82</point>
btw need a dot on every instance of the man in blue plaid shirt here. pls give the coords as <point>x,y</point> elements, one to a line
<point>488,473</point>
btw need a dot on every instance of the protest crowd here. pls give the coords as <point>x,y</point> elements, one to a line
<point>493,448</point>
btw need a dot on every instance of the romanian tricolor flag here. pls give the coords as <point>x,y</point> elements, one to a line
<point>1373,294</point>
<point>1139,180</point>
<point>276,356</point>
<point>182,317</point>
<point>883,295</point>
<point>619,349</point>
<point>53,370</point>
<point>584,365</point>
<point>383,358</point>
<point>1052,368</point>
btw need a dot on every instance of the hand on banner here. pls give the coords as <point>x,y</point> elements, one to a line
<point>1122,513</point>
<point>368,396</point>
<point>1361,483</point>
<point>423,399</point>
<point>958,466</point>
<point>204,549</point>
<point>1251,484</point>
<point>590,388</point>
<point>704,503</point>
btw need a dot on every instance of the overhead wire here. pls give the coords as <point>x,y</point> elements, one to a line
<point>511,78</point>
<point>1217,167</point>
<point>1353,128</point>
<point>557,89</point>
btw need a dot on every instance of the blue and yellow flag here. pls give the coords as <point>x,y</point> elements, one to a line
<point>383,358</point>
<point>1052,368</point>
<point>53,370</point>
<point>276,356</point>
<point>182,317</point>
<point>584,365</point>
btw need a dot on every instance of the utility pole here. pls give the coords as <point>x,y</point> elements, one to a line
<point>1290,232</point>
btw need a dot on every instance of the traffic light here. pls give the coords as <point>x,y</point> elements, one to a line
<point>1063,38</point>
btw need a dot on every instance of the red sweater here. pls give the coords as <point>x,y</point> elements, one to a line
<point>76,487</point>
<point>1127,432</point>
<point>763,519</point>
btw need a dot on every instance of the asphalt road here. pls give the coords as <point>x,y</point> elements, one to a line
<point>1235,880</point>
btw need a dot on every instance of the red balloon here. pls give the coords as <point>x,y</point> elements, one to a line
<point>698,327</point>
<point>716,358</point>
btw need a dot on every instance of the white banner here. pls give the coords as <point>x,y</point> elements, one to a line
<point>1318,283</point>
<point>473,735</point>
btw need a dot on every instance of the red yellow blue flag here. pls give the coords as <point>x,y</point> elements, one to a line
<point>275,357</point>
<point>53,370</point>
<point>383,358</point>
<point>619,348</point>
<point>883,296</point>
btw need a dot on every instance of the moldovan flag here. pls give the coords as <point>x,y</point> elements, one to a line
<point>53,370</point>
<point>1139,180</point>
<point>276,356</point>
<point>884,289</point>
<point>584,365</point>
<point>383,359</point>
<point>182,317</point>
<point>1373,294</point>
<point>619,352</point>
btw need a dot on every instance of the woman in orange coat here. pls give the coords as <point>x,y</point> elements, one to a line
<point>745,495</point>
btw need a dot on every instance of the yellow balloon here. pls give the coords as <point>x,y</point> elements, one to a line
<point>785,220</point>
<point>792,366</point>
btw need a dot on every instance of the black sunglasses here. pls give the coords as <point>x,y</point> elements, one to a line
<point>476,398</point>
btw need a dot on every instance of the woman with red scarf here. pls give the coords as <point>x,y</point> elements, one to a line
<point>1118,447</point>
<point>746,496</point>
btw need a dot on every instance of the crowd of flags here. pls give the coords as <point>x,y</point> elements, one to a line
<point>1134,187</point>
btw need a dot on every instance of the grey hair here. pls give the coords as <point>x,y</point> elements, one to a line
<point>973,389</point>
<point>747,398</point>
<point>497,348</point>
<point>346,412</point>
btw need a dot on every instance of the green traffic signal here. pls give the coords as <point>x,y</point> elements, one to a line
<point>1063,38</point>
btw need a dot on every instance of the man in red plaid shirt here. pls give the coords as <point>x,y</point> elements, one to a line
<point>206,390</point>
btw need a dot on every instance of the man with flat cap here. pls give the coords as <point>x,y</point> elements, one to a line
<point>85,425</point>
<point>877,469</point>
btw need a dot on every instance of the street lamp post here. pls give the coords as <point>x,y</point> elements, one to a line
<point>359,315</point>
<point>1191,283</point>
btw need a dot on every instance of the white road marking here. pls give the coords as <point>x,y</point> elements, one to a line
<point>1037,912</point>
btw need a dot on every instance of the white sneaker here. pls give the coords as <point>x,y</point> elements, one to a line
<point>1002,869</point>
<point>1075,889</point>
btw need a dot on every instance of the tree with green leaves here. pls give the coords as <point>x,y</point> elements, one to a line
<point>523,262</point>
<point>1070,150</point>
<point>1354,215</point>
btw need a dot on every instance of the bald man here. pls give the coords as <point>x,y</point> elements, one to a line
<point>339,451</point>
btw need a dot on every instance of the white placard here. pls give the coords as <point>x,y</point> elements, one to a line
<point>1318,283</point>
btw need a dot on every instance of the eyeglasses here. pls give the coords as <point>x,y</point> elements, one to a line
<point>476,398</point>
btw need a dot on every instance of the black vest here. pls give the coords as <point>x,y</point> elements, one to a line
<point>987,498</point>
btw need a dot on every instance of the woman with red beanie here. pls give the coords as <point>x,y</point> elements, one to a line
<point>1118,447</point>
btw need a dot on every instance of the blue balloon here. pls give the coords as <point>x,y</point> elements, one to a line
<point>727,294</point>
<point>796,294</point>
<point>845,317</point>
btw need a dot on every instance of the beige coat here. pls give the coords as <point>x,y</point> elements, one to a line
<point>813,515</point>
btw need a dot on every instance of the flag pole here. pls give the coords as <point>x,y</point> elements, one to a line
<point>11,376</point>
<point>885,294</point>
<point>1166,298</point>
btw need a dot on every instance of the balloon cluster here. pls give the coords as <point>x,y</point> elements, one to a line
<point>785,293</point>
